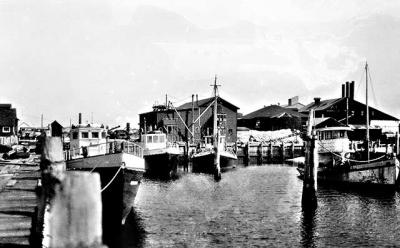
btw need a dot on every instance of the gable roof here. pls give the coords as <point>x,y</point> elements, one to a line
<point>326,104</point>
<point>273,111</point>
<point>205,102</point>
<point>327,122</point>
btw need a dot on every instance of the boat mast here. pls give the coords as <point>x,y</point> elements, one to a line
<point>215,127</point>
<point>367,114</point>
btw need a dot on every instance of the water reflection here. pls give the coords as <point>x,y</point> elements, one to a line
<point>133,232</point>
<point>308,227</point>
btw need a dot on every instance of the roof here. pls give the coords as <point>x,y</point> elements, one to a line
<point>205,102</point>
<point>325,104</point>
<point>273,111</point>
<point>327,122</point>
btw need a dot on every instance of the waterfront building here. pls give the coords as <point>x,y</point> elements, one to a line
<point>8,125</point>
<point>273,117</point>
<point>348,111</point>
<point>175,122</point>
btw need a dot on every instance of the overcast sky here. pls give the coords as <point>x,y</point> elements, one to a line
<point>114,59</point>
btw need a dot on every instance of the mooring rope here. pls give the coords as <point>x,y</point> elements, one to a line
<point>109,183</point>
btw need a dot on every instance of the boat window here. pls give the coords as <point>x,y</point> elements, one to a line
<point>103,135</point>
<point>320,136</point>
<point>95,135</point>
<point>162,140</point>
<point>85,135</point>
<point>75,135</point>
<point>155,139</point>
<point>149,139</point>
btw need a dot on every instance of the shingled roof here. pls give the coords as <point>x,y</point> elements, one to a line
<point>273,111</point>
<point>322,105</point>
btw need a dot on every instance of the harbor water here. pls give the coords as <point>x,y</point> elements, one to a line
<point>259,206</point>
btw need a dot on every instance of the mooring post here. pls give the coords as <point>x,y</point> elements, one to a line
<point>282,146</point>
<point>52,166</point>
<point>270,152</point>
<point>75,218</point>
<point>260,153</point>
<point>397,144</point>
<point>246,154</point>
<point>310,173</point>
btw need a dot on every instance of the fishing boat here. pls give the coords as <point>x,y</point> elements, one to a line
<point>161,157</point>
<point>213,156</point>
<point>363,167</point>
<point>120,164</point>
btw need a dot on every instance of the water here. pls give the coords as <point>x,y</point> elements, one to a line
<point>259,206</point>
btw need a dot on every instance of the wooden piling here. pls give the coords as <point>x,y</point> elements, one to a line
<point>292,150</point>
<point>310,173</point>
<point>282,152</point>
<point>397,144</point>
<point>270,152</point>
<point>260,153</point>
<point>246,154</point>
<point>52,167</point>
<point>75,216</point>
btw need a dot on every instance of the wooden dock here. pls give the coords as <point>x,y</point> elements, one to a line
<point>18,202</point>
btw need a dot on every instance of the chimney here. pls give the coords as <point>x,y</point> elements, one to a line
<point>290,102</point>
<point>128,127</point>
<point>317,100</point>
<point>343,90</point>
<point>351,95</point>
<point>80,119</point>
<point>347,89</point>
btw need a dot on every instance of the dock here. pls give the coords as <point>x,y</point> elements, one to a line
<point>18,202</point>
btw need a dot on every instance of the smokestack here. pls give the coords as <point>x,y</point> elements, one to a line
<point>343,90</point>
<point>347,89</point>
<point>80,119</point>
<point>290,102</point>
<point>317,100</point>
<point>128,127</point>
<point>352,90</point>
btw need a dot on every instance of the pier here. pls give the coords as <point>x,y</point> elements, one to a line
<point>18,203</point>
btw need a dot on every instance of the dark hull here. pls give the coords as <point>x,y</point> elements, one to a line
<point>205,164</point>
<point>117,199</point>
<point>162,165</point>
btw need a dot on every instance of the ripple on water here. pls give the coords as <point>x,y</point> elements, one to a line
<point>261,206</point>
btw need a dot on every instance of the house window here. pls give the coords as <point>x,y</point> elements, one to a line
<point>6,129</point>
<point>258,123</point>
<point>75,135</point>
<point>85,135</point>
<point>95,135</point>
<point>362,113</point>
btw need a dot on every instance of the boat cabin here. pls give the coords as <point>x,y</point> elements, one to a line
<point>93,137</point>
<point>332,135</point>
<point>154,140</point>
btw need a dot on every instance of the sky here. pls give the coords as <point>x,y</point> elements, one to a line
<point>113,59</point>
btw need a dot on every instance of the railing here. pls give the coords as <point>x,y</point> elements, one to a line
<point>109,147</point>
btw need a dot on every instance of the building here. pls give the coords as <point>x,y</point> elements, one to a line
<point>348,111</point>
<point>177,122</point>
<point>273,117</point>
<point>8,120</point>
